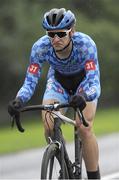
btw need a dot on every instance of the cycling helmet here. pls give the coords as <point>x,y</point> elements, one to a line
<point>58,19</point>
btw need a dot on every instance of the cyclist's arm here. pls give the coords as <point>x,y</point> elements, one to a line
<point>32,75</point>
<point>91,84</point>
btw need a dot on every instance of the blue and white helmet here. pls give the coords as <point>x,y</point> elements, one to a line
<point>58,19</point>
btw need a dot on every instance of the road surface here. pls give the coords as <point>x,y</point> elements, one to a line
<point>26,164</point>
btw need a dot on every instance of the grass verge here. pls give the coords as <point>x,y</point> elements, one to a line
<point>106,121</point>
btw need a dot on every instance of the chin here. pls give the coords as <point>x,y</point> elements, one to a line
<point>57,48</point>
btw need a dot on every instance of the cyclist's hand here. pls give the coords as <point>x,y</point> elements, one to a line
<point>14,106</point>
<point>78,101</point>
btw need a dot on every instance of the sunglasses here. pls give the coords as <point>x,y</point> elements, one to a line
<point>59,34</point>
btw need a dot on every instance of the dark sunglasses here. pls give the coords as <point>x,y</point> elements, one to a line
<point>59,34</point>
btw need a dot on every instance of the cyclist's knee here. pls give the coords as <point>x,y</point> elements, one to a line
<point>48,121</point>
<point>89,114</point>
<point>48,125</point>
<point>85,132</point>
<point>48,135</point>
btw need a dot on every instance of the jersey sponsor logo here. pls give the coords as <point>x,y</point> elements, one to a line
<point>90,65</point>
<point>49,86</point>
<point>91,92</point>
<point>59,90</point>
<point>80,90</point>
<point>33,68</point>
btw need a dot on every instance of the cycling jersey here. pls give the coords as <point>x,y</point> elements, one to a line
<point>83,56</point>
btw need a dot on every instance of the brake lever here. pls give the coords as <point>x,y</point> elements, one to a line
<point>12,122</point>
<point>16,119</point>
<point>81,116</point>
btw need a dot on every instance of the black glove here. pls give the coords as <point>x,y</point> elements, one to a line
<point>14,106</point>
<point>78,101</point>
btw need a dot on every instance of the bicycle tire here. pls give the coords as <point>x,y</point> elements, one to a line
<point>48,164</point>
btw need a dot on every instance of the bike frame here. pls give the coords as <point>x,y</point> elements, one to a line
<point>77,165</point>
<point>54,110</point>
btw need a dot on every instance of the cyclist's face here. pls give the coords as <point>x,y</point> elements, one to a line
<point>59,38</point>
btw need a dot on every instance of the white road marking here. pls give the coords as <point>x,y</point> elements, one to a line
<point>111,176</point>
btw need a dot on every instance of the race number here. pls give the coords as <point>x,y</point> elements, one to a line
<point>90,65</point>
<point>33,68</point>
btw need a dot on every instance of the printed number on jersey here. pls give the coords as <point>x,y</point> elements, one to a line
<point>33,68</point>
<point>90,65</point>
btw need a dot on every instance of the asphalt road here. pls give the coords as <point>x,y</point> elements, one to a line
<point>26,164</point>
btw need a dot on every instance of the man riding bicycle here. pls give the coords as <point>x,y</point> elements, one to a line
<point>73,77</point>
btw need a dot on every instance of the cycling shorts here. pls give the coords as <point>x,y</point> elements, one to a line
<point>54,90</point>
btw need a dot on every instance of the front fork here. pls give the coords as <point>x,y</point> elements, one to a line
<point>78,155</point>
<point>62,155</point>
<point>57,138</point>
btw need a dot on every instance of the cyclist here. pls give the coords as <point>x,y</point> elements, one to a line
<point>73,77</point>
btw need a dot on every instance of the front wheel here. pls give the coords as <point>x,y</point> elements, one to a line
<point>53,167</point>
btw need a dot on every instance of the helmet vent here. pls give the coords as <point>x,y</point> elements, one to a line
<point>59,20</point>
<point>54,19</point>
<point>48,19</point>
<point>67,21</point>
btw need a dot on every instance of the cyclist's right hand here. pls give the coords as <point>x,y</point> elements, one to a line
<point>78,101</point>
<point>14,106</point>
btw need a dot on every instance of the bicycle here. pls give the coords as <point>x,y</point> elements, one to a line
<point>56,149</point>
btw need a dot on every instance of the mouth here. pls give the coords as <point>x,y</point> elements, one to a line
<point>56,44</point>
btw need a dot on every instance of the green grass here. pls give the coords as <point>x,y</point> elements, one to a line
<point>12,141</point>
<point>107,122</point>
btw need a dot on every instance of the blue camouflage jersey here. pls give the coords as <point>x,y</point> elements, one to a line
<point>82,56</point>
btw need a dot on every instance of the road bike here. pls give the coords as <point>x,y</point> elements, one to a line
<point>56,163</point>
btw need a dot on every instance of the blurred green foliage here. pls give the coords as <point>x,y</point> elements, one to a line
<point>20,27</point>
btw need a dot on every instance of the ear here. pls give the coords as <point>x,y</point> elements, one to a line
<point>72,32</point>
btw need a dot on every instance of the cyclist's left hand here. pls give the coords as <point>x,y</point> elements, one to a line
<point>14,106</point>
<point>78,101</point>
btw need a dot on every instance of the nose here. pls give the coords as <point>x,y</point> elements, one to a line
<point>55,39</point>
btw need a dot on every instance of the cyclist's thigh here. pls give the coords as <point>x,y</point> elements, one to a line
<point>89,114</point>
<point>54,92</point>
<point>90,110</point>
